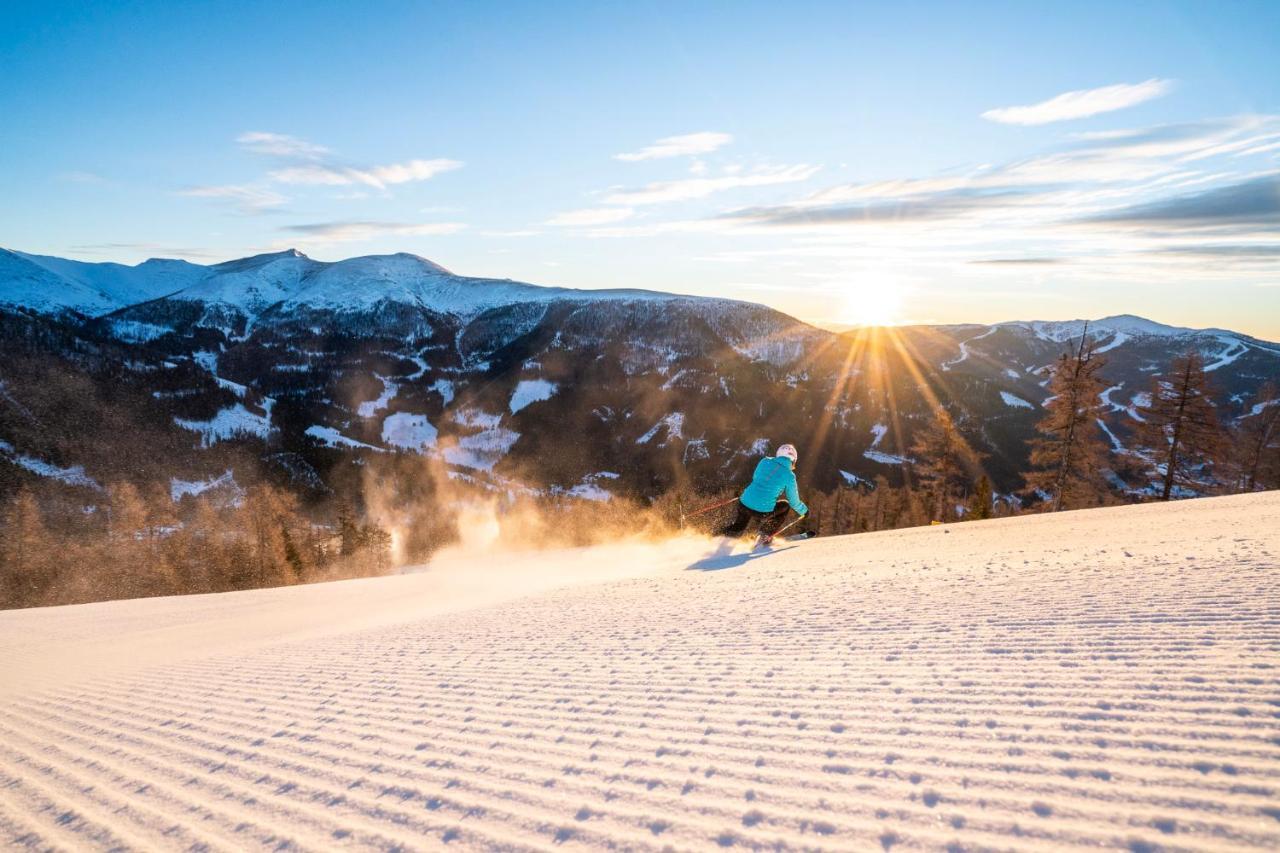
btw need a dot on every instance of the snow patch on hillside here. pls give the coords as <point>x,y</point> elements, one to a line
<point>964,348</point>
<point>332,438</point>
<point>1233,348</point>
<point>409,432</point>
<point>136,332</point>
<point>1120,339</point>
<point>371,407</point>
<point>851,479</point>
<point>674,425</point>
<point>228,423</point>
<point>73,475</point>
<point>1014,401</point>
<point>178,489</point>
<point>878,431</point>
<point>482,450</point>
<point>531,391</point>
<point>444,388</point>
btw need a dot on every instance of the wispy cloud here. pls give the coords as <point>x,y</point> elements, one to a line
<point>1082,103</point>
<point>153,249</point>
<point>701,187</point>
<point>1171,203</point>
<point>951,204</point>
<point>1254,202</point>
<point>247,198</point>
<point>298,162</point>
<point>377,177</point>
<point>1017,262</point>
<point>280,145</point>
<point>690,144</point>
<point>591,216</point>
<point>357,230</point>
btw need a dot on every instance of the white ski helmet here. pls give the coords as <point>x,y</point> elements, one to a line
<point>788,451</point>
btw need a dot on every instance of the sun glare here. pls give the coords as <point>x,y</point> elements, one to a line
<point>872,304</point>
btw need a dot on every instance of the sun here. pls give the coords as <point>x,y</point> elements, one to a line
<point>876,303</point>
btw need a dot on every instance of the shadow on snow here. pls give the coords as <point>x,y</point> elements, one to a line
<point>716,562</point>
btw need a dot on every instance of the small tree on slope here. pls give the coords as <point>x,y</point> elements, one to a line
<point>1256,441</point>
<point>1181,426</point>
<point>945,464</point>
<point>1068,459</point>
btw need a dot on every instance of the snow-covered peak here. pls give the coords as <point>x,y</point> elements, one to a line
<point>52,284</point>
<point>1120,324</point>
<point>252,284</point>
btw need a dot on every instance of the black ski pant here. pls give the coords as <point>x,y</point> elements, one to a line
<point>769,521</point>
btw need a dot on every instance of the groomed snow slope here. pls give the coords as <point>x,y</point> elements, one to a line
<point>1096,679</point>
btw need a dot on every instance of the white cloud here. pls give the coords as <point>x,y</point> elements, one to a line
<point>592,216</point>
<point>1082,103</point>
<point>691,188</point>
<point>279,145</point>
<point>247,197</point>
<point>679,146</point>
<point>341,232</point>
<point>376,176</point>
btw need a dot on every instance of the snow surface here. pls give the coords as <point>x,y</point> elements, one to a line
<point>408,431</point>
<point>1259,408</point>
<point>228,423</point>
<point>332,438</point>
<point>1090,680</point>
<point>178,489</point>
<point>54,284</point>
<point>1119,340</point>
<point>531,391</point>
<point>369,408</point>
<point>674,425</point>
<point>1129,325</point>
<point>73,475</point>
<point>444,388</point>
<point>876,455</point>
<point>482,450</point>
<point>135,332</point>
<point>1233,348</point>
<point>1014,401</point>
<point>1141,400</point>
<point>851,479</point>
<point>964,348</point>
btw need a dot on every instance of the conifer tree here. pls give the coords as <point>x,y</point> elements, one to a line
<point>945,464</point>
<point>1181,425</point>
<point>1257,441</point>
<point>1068,457</point>
<point>25,560</point>
<point>983,499</point>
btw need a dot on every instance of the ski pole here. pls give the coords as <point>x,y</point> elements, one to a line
<point>684,516</point>
<point>789,524</point>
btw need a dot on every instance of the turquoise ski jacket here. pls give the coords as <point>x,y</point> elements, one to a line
<point>773,479</point>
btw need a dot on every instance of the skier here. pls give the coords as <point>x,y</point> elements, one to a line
<point>771,494</point>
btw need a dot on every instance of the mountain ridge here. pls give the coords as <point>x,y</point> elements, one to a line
<point>205,285</point>
<point>281,357</point>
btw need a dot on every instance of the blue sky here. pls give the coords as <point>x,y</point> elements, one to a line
<point>843,162</point>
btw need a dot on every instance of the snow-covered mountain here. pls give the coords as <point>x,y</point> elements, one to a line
<point>55,284</point>
<point>302,365</point>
